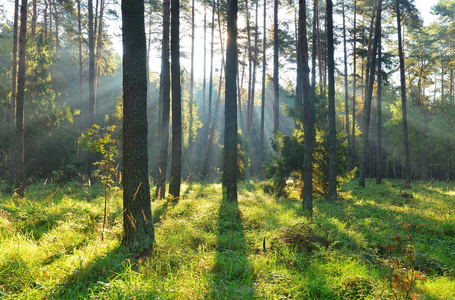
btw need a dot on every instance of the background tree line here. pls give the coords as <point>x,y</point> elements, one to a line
<point>315,93</point>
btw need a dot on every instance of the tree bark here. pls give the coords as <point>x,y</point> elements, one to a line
<point>12,139</point>
<point>276,84</point>
<point>230,172</point>
<point>20,101</point>
<point>176,164</point>
<point>264,65</point>
<point>332,122</point>
<point>165,86</point>
<point>91,79</point>
<point>346,90</point>
<point>308,117</point>
<point>138,233</point>
<point>352,162</point>
<point>369,95</point>
<point>379,116</point>
<point>407,165</point>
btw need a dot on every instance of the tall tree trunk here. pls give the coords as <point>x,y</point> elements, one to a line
<point>369,95</point>
<point>176,164</point>
<point>379,159</point>
<point>346,91</point>
<point>20,101</point>
<point>81,76</point>
<point>407,165</point>
<point>308,117</point>
<point>190,137</point>
<point>276,84</point>
<point>34,17</point>
<point>91,79</point>
<point>208,123</point>
<point>57,44</point>
<point>264,65</point>
<point>99,44</point>
<point>332,122</point>
<point>250,101</point>
<point>138,233</point>
<point>352,162</point>
<point>207,166</point>
<point>12,136</point>
<point>165,86</point>
<point>204,83</point>
<point>230,171</point>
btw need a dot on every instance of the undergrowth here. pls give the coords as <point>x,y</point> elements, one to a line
<point>50,246</point>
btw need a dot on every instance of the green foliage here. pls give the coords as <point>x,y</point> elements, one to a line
<point>289,161</point>
<point>98,140</point>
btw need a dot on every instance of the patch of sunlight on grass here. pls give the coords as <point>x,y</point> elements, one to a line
<point>440,288</point>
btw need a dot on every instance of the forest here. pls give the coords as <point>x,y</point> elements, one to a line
<point>225,149</point>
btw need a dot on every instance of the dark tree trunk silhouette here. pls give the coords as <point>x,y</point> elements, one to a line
<point>352,162</point>
<point>91,79</point>
<point>138,233</point>
<point>276,81</point>
<point>407,165</point>
<point>308,118</point>
<point>346,91</point>
<point>190,137</point>
<point>12,136</point>
<point>379,115</point>
<point>230,172</point>
<point>369,96</point>
<point>332,125</point>
<point>165,102</point>
<point>264,65</point>
<point>176,164</point>
<point>20,103</point>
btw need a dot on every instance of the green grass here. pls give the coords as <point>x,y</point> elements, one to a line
<point>50,245</point>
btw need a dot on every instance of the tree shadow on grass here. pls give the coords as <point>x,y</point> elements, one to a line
<point>232,278</point>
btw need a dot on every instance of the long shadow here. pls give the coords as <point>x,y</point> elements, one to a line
<point>231,274</point>
<point>85,280</point>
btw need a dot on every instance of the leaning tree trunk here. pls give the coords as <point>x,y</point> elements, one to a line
<point>138,233</point>
<point>176,164</point>
<point>230,171</point>
<point>407,165</point>
<point>20,101</point>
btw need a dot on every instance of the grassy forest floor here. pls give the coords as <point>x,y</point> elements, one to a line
<point>381,242</point>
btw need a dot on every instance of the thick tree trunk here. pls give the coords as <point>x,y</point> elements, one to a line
<point>20,101</point>
<point>176,165</point>
<point>138,233</point>
<point>276,84</point>
<point>369,95</point>
<point>407,165</point>
<point>332,125</point>
<point>165,86</point>
<point>12,136</point>
<point>230,171</point>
